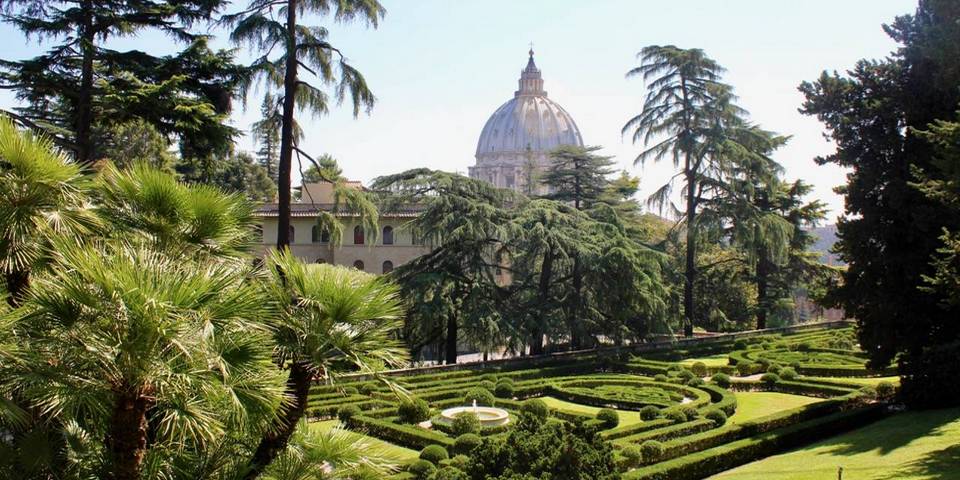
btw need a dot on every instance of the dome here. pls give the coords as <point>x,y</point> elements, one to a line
<point>529,122</point>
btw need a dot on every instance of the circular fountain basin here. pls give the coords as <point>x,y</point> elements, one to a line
<point>489,416</point>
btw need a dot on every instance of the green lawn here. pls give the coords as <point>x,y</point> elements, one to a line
<point>908,446</point>
<point>391,451</point>
<point>752,405</point>
<point>626,417</point>
<point>717,360</point>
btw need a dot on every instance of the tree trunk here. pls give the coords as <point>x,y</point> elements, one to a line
<point>127,438</point>
<point>576,335</point>
<point>275,440</point>
<point>451,344</point>
<point>762,281</point>
<point>546,272</point>
<point>17,282</point>
<point>286,131</point>
<point>691,271</point>
<point>84,114</point>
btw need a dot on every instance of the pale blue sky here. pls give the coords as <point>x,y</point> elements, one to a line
<point>440,67</point>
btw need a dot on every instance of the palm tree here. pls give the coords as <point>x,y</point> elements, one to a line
<point>332,320</point>
<point>42,198</point>
<point>684,99</point>
<point>120,335</point>
<point>333,455</point>
<point>302,48</point>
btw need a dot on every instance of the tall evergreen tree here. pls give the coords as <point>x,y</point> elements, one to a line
<point>61,86</point>
<point>302,48</point>
<point>890,229</point>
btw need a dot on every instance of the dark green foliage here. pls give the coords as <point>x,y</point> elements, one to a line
<point>482,396</point>
<point>449,473</point>
<point>632,456</point>
<point>465,443</point>
<point>660,377</point>
<point>717,416</point>
<point>930,379</point>
<point>721,380</point>
<point>240,173</point>
<point>694,382</point>
<point>413,410</point>
<point>348,391</point>
<point>608,417</point>
<point>740,345</point>
<point>651,451</point>
<point>886,391</point>
<point>649,413</point>
<point>504,388</point>
<point>434,454</point>
<point>536,408</point>
<point>686,375</point>
<point>421,469</point>
<point>346,412</point>
<point>367,388</point>
<point>788,373</point>
<point>891,228</point>
<point>487,385</point>
<point>465,423</point>
<point>699,369</point>
<point>774,368</point>
<point>675,415</point>
<point>745,368</point>
<point>770,379</point>
<point>688,411</point>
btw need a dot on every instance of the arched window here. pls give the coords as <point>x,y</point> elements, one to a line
<point>387,266</point>
<point>325,236</point>
<point>388,235</point>
<point>321,261</point>
<point>358,265</point>
<point>358,236</point>
<point>291,233</point>
<point>319,234</point>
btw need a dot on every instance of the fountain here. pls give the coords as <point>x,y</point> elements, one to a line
<point>488,416</point>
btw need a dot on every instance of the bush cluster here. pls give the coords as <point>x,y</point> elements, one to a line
<point>434,454</point>
<point>649,413</point>
<point>413,410</point>
<point>770,379</point>
<point>536,408</point>
<point>346,412</point>
<point>481,395</point>
<point>504,388</point>
<point>608,417</point>
<point>465,443</point>
<point>466,422</point>
<point>722,380</point>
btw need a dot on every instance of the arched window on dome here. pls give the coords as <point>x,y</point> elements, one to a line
<point>387,267</point>
<point>388,235</point>
<point>358,265</point>
<point>358,235</point>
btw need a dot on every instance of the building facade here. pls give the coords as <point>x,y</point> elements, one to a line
<point>515,143</point>
<point>393,246</point>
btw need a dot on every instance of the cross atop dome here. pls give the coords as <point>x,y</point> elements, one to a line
<point>531,83</point>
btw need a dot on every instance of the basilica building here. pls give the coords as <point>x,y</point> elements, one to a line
<point>516,141</point>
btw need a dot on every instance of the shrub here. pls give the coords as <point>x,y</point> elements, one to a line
<point>717,416</point>
<point>686,375</point>
<point>774,368</point>
<point>487,385</point>
<point>449,472</point>
<point>795,366</point>
<point>346,412</point>
<point>649,413</point>
<point>488,377</point>
<point>421,469</point>
<point>740,345</point>
<point>504,389</point>
<point>722,380</point>
<point>537,408</point>
<point>868,393</point>
<point>660,377</point>
<point>632,456</point>
<point>459,461</point>
<point>770,379</point>
<point>676,416</point>
<point>689,412</point>
<point>413,410</point>
<point>674,368</point>
<point>744,369</point>
<point>347,391</point>
<point>694,382</point>
<point>788,373</point>
<point>368,388</point>
<point>699,369</point>
<point>764,363</point>
<point>466,422</point>
<point>651,450</point>
<point>464,444</point>
<point>609,417</point>
<point>481,395</point>
<point>434,454</point>
<point>804,346</point>
<point>885,391</point>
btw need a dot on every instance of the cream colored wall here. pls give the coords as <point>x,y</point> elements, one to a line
<point>372,256</point>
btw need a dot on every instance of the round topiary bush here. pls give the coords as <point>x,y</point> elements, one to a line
<point>347,391</point>
<point>686,375</point>
<point>717,416</point>
<point>770,379</point>
<point>608,417</point>
<point>504,389</point>
<point>788,374</point>
<point>805,346</point>
<point>434,454</point>
<point>464,444</point>
<point>487,385</point>
<point>740,345</point>
<point>481,395</point>
<point>868,393</point>
<point>764,363</point>
<point>699,369</point>
<point>449,472</point>
<point>421,469</point>
<point>537,408</point>
<point>675,415</point>
<point>346,412</point>
<point>649,413</point>
<point>694,382</point>
<point>632,456</point>
<point>368,388</point>
<point>886,391</point>
<point>488,377</point>
<point>651,451</point>
<point>459,461</point>
<point>689,412</point>
<point>466,422</point>
<point>774,368</point>
<point>675,368</point>
<point>721,380</point>
<point>795,366</point>
<point>660,377</point>
<point>744,369</point>
<point>413,410</point>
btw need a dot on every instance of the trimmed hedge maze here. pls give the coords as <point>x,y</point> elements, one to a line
<point>664,420</point>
